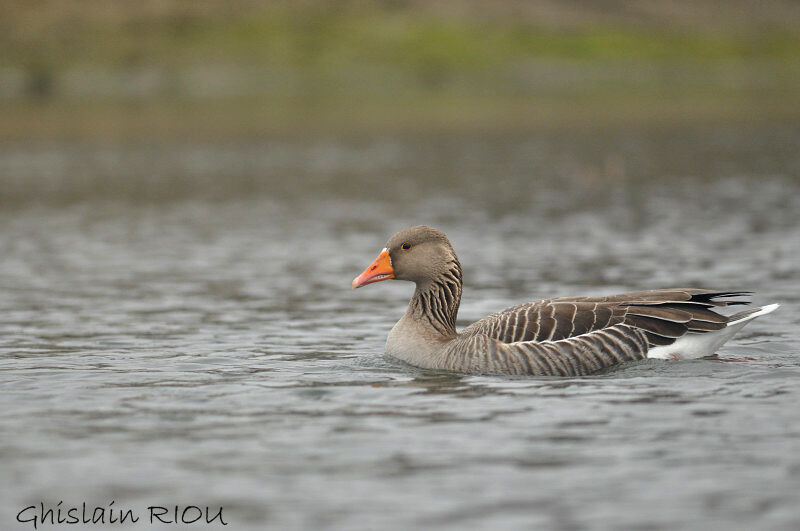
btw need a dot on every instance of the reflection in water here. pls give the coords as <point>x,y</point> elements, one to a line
<point>447,384</point>
<point>184,332</point>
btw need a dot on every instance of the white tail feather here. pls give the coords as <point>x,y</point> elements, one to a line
<point>694,345</point>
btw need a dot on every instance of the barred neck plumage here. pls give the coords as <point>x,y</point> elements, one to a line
<point>436,302</point>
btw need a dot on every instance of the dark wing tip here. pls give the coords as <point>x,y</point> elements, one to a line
<point>712,297</point>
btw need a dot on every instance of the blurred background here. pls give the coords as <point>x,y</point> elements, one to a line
<point>101,70</point>
<point>113,80</point>
<point>155,73</point>
<point>188,188</point>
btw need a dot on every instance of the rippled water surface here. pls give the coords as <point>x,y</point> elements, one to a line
<point>176,327</point>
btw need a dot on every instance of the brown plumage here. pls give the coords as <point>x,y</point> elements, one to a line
<point>554,337</point>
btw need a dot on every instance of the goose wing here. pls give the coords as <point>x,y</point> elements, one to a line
<point>662,315</point>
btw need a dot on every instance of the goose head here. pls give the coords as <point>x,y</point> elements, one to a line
<point>418,254</point>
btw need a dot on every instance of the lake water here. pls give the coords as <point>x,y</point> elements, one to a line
<point>177,328</point>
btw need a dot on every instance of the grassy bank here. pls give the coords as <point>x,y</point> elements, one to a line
<point>242,118</point>
<point>130,70</point>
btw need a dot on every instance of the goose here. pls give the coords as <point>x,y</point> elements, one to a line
<point>568,336</point>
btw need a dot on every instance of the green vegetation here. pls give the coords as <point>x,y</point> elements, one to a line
<point>405,62</point>
<point>336,37</point>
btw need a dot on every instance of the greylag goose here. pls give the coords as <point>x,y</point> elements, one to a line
<point>568,336</point>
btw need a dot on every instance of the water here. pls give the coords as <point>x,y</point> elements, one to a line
<point>176,327</point>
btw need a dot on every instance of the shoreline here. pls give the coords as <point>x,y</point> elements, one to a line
<point>256,118</point>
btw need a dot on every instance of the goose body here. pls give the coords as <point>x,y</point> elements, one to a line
<point>567,336</point>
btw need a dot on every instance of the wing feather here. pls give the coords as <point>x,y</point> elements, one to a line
<point>662,315</point>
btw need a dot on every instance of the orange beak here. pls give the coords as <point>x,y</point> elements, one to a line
<point>380,269</point>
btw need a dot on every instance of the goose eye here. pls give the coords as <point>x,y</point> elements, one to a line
<point>406,246</point>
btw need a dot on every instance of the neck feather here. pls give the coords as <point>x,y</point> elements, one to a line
<point>435,303</point>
